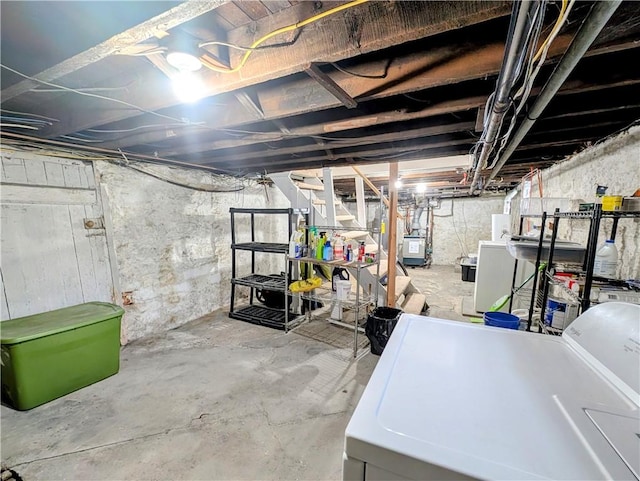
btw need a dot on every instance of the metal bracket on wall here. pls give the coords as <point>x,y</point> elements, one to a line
<point>93,223</point>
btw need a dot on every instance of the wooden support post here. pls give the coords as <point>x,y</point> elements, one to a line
<point>373,187</point>
<point>330,206</point>
<point>392,228</point>
<point>330,86</point>
<point>360,203</point>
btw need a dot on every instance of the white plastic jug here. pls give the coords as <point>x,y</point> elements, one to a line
<point>606,261</point>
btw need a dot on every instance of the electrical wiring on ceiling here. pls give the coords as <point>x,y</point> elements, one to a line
<point>82,89</point>
<point>37,143</point>
<point>25,120</point>
<point>238,47</point>
<point>556,28</point>
<point>20,126</point>
<point>534,62</point>
<point>525,90</point>
<point>88,94</point>
<point>360,75</point>
<point>139,127</point>
<point>78,139</point>
<point>224,187</point>
<point>484,145</point>
<point>221,182</point>
<point>280,31</point>
<point>29,114</point>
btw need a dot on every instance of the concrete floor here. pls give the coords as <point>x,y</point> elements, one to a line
<point>214,399</point>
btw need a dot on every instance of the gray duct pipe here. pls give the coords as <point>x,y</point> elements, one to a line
<point>516,43</point>
<point>415,223</point>
<point>600,14</point>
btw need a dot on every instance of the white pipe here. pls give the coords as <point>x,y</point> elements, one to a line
<point>507,200</point>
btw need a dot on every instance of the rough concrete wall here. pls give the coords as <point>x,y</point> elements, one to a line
<point>459,224</point>
<point>173,244</point>
<point>614,163</point>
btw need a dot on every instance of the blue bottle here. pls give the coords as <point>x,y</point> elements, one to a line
<point>327,254</point>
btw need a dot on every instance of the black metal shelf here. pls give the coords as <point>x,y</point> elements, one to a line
<point>263,316</point>
<point>261,247</point>
<point>259,281</point>
<point>594,217</point>
<point>249,210</point>
<point>257,313</point>
<point>588,214</point>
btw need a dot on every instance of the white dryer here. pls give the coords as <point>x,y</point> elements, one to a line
<point>451,400</point>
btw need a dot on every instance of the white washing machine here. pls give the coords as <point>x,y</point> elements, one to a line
<point>452,400</point>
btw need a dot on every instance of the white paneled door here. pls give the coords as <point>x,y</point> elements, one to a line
<point>53,242</point>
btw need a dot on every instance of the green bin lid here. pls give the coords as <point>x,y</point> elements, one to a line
<point>45,324</point>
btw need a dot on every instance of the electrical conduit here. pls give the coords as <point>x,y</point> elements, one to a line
<point>516,43</point>
<point>600,14</point>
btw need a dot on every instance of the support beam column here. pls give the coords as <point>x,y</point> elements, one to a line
<point>330,205</point>
<point>392,228</point>
<point>360,203</point>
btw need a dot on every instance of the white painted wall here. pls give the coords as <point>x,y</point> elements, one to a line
<point>173,244</point>
<point>614,163</point>
<point>169,245</point>
<point>459,224</point>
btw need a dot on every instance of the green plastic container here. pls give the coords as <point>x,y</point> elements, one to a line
<point>48,355</point>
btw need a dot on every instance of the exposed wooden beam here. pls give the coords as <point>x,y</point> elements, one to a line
<point>366,120</point>
<point>313,71</point>
<point>351,142</point>
<point>322,144</point>
<point>409,73</point>
<point>281,126</point>
<point>250,102</point>
<point>324,128</point>
<point>365,28</point>
<point>143,31</point>
<point>373,188</point>
<point>422,147</point>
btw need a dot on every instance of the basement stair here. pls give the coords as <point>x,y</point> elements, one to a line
<point>308,190</point>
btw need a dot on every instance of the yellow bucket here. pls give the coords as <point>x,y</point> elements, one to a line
<point>611,202</point>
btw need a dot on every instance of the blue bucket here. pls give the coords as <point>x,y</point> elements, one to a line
<point>501,319</point>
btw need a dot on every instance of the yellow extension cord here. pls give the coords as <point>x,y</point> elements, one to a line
<point>555,27</point>
<point>279,31</point>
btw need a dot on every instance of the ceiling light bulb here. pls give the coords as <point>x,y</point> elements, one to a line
<point>188,87</point>
<point>398,184</point>
<point>421,188</point>
<point>183,61</point>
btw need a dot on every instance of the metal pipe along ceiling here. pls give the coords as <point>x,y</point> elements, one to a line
<point>600,14</point>
<point>515,48</point>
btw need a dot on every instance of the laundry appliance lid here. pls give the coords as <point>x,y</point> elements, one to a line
<point>491,403</point>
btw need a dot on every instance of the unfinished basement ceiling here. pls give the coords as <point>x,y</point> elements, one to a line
<point>378,81</point>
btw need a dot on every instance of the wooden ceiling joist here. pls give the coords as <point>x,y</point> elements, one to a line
<point>326,82</point>
<point>330,40</point>
<point>410,73</point>
<point>143,31</point>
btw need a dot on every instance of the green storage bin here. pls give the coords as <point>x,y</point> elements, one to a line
<point>48,355</point>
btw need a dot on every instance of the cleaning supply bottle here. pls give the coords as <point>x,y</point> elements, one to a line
<point>320,246</point>
<point>312,243</point>
<point>292,244</point>
<point>328,251</point>
<point>338,248</point>
<point>606,261</point>
<point>338,274</point>
<point>361,250</point>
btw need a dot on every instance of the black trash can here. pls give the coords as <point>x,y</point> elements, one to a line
<point>380,325</point>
